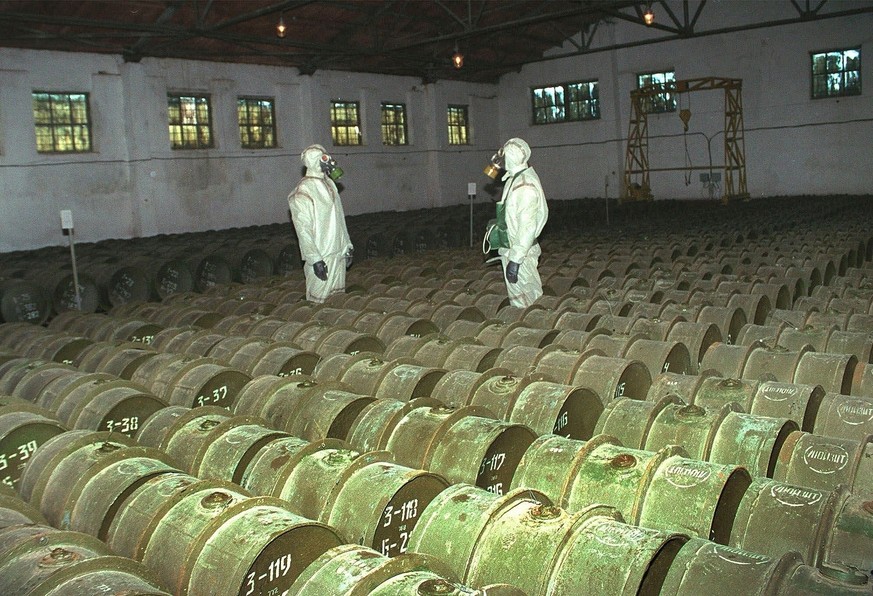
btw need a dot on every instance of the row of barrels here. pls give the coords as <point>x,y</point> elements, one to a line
<point>215,444</point>
<point>166,265</point>
<point>326,426</point>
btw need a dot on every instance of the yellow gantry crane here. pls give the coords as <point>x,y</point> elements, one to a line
<point>636,174</point>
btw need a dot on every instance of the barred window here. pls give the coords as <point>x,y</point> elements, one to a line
<point>62,122</point>
<point>660,102</point>
<point>190,121</point>
<point>459,130</point>
<point>345,123</point>
<point>394,124</point>
<point>836,73</point>
<point>566,102</point>
<point>257,122</point>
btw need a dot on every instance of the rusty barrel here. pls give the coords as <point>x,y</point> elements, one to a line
<point>834,372</point>
<point>351,569</point>
<point>799,403</point>
<point>379,504</point>
<point>690,426</point>
<point>23,428</point>
<point>37,559</point>
<point>326,411</point>
<point>629,420</point>
<point>823,526</point>
<point>844,416</point>
<point>14,510</point>
<point>823,462</point>
<point>683,386</point>
<point>408,380</point>
<point>181,432</point>
<point>564,410</point>
<point>374,424</point>
<point>751,441</point>
<point>230,447</point>
<point>729,360</point>
<point>611,378</point>
<point>480,451</point>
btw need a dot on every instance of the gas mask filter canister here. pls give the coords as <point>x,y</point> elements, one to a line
<point>329,167</point>
<point>493,169</point>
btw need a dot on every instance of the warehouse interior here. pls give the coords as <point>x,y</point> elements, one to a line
<point>688,404</point>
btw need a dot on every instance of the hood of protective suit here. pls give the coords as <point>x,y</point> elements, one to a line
<point>311,157</point>
<point>516,153</point>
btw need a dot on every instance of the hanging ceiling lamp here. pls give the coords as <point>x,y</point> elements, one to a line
<point>457,58</point>
<point>280,27</point>
<point>648,16</point>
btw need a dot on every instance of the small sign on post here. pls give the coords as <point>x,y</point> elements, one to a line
<point>471,194</point>
<point>67,224</point>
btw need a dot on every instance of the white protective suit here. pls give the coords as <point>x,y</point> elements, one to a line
<point>320,224</point>
<point>526,213</point>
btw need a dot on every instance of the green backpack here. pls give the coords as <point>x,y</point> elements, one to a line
<point>496,235</point>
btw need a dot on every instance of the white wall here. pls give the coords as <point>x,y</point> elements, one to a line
<point>794,145</point>
<point>133,184</point>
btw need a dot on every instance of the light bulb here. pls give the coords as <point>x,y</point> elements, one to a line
<point>281,28</point>
<point>649,16</point>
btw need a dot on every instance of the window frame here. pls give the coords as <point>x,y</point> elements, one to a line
<point>842,72</point>
<point>350,129</point>
<point>54,127</point>
<point>668,98</point>
<point>198,126</point>
<point>463,128</point>
<point>594,88</point>
<point>391,107</point>
<point>247,129</point>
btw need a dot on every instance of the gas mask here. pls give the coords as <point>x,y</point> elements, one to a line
<point>493,169</point>
<point>329,167</point>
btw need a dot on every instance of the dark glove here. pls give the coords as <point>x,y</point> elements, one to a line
<point>320,270</point>
<point>512,272</point>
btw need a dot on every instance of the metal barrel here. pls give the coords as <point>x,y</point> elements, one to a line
<point>22,301</point>
<point>856,343</point>
<point>30,381</point>
<point>834,372</point>
<point>278,400</point>
<point>433,349</point>
<point>728,360</point>
<point>700,565</point>
<point>481,451</point>
<point>350,570</point>
<point>717,390</point>
<point>823,526</point>
<point>310,474</point>
<point>774,362</point>
<point>844,416</point>
<point>751,441</point>
<point>416,436</point>
<point>862,380</point>
<point>457,386</point>
<point>611,378</point>
<point>497,393</point>
<point>33,556</point>
<point>263,469</point>
<point>231,446</point>
<point>684,386</point>
<point>629,420</point>
<point>116,406</point>
<point>472,356</point>
<point>694,497</point>
<point>327,411</point>
<point>348,341</point>
<point>374,424</point>
<point>205,383</point>
<point>799,403</point>
<point>769,334</point>
<point>379,504</point>
<point>121,361</point>
<point>564,410</point>
<point>181,434</point>
<point>455,519</point>
<point>817,337</point>
<point>174,276</point>
<point>23,428</point>
<point>690,426</point>
<point>823,462</point>
<point>660,356</point>
<point>407,380</point>
<point>101,573</point>
<point>14,510</point>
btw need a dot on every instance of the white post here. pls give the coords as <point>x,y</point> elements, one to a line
<point>67,224</point>
<point>471,194</point>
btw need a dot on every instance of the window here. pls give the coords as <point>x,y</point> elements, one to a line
<point>459,132</point>
<point>345,123</point>
<point>567,102</point>
<point>190,121</point>
<point>394,124</point>
<point>660,102</point>
<point>836,74</point>
<point>257,122</point>
<point>62,122</point>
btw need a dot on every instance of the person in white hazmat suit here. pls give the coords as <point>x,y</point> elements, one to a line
<point>317,214</point>
<point>524,213</point>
